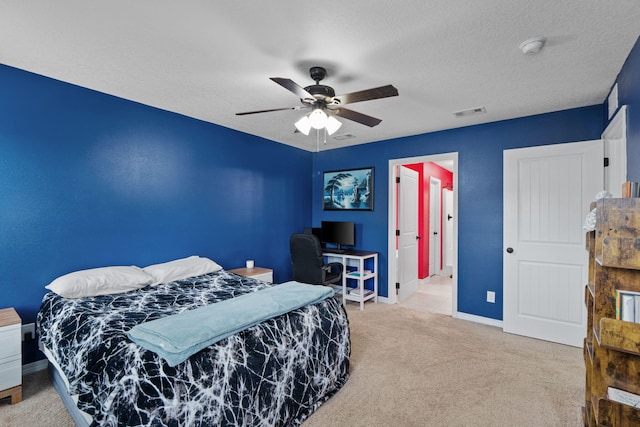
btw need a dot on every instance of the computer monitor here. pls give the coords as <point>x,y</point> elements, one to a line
<point>339,233</point>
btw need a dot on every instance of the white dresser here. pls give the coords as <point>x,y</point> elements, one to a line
<point>10,355</point>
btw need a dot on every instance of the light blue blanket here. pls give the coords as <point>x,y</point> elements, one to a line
<point>175,338</point>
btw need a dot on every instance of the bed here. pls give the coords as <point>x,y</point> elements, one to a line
<point>275,373</point>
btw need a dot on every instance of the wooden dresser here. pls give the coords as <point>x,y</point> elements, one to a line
<point>612,346</point>
<point>10,355</point>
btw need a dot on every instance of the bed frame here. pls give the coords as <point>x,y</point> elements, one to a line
<point>78,416</point>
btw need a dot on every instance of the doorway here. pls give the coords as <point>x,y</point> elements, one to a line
<point>435,276</point>
<point>432,296</point>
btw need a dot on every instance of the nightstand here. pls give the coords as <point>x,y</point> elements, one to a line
<point>10,355</point>
<point>258,273</point>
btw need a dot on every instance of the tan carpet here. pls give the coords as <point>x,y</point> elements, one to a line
<point>40,407</point>
<point>411,368</point>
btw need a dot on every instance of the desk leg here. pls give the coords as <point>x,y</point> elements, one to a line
<point>344,283</point>
<point>361,282</point>
<point>375,278</point>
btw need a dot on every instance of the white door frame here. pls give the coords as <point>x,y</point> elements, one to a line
<point>391,232</point>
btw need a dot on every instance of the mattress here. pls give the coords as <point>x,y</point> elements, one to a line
<point>275,373</point>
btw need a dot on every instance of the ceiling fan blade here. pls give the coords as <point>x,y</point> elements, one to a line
<point>295,88</point>
<point>357,117</point>
<point>368,94</point>
<point>273,109</point>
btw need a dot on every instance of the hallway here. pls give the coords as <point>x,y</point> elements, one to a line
<point>432,297</point>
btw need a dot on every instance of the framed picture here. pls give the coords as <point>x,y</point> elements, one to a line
<point>350,189</point>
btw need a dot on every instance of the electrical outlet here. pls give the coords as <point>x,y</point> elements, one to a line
<point>491,296</point>
<point>28,332</point>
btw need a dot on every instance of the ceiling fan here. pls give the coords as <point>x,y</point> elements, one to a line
<point>322,99</point>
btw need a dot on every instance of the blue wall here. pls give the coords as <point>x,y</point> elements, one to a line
<point>629,94</point>
<point>89,180</point>
<point>479,191</point>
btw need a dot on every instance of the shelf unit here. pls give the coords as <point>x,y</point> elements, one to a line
<point>355,262</point>
<point>611,346</point>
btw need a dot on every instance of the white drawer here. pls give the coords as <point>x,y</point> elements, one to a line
<point>11,372</point>
<point>265,277</point>
<point>10,341</point>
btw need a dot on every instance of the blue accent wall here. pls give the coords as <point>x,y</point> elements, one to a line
<point>90,180</point>
<point>479,191</point>
<point>629,94</point>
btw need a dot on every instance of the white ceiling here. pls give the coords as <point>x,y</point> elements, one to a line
<point>210,59</point>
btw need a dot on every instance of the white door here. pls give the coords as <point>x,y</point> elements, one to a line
<point>408,239</point>
<point>547,193</point>
<point>615,149</point>
<point>434,226</point>
<point>447,231</point>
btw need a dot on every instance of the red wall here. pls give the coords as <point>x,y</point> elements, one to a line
<point>425,172</point>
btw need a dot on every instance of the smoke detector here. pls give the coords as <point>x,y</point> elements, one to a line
<point>532,46</point>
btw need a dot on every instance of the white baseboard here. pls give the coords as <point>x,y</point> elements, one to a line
<point>30,368</point>
<point>384,300</point>
<point>462,316</point>
<point>479,319</point>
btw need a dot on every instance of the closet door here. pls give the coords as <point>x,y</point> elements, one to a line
<point>547,193</point>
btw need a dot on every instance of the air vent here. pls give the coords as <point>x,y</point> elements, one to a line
<point>470,112</point>
<point>344,136</point>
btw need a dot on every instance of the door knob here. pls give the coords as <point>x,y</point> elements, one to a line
<point>418,237</point>
<point>449,217</point>
<point>509,250</point>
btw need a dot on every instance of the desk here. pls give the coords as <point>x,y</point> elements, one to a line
<point>359,268</point>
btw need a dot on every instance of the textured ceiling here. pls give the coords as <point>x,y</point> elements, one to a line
<point>211,59</point>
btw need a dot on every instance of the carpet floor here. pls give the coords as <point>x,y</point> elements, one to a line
<point>412,368</point>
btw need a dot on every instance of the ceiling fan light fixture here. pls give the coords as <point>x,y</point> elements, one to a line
<point>304,125</point>
<point>318,119</point>
<point>332,125</point>
<point>320,98</point>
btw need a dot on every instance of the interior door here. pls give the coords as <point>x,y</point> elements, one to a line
<point>434,226</point>
<point>615,149</point>
<point>447,231</point>
<point>408,239</point>
<point>547,193</point>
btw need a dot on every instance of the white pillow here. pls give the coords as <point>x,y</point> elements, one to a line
<point>100,281</point>
<point>181,269</point>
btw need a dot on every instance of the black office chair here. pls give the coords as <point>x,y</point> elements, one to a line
<point>308,263</point>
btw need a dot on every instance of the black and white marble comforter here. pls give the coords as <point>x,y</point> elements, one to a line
<point>273,374</point>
